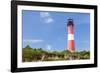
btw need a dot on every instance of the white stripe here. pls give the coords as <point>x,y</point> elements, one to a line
<point>70,37</point>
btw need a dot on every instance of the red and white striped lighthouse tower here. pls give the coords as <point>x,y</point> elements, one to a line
<point>70,28</point>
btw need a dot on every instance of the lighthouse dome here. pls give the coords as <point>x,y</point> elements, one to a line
<point>70,22</point>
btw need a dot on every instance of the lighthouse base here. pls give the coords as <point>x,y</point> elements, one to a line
<point>71,50</point>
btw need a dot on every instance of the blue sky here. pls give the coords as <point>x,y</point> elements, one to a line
<point>48,30</point>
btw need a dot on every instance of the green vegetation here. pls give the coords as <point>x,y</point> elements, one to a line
<point>38,54</point>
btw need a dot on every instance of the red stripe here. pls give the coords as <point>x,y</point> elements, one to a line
<point>71,45</point>
<point>70,30</point>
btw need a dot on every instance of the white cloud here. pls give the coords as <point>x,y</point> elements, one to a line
<point>49,20</point>
<point>44,14</point>
<point>46,17</point>
<point>48,47</point>
<point>33,41</point>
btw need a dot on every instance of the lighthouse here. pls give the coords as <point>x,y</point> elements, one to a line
<point>70,30</point>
